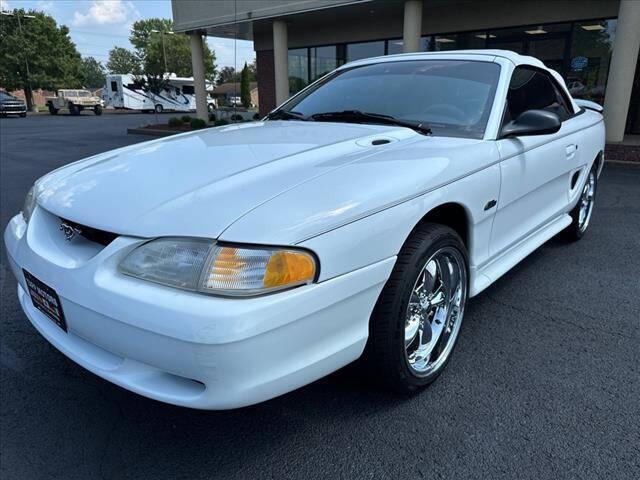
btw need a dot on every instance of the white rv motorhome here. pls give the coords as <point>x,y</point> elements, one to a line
<point>122,91</point>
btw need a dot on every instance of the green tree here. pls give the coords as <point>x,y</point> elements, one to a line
<point>92,73</point>
<point>156,45</point>
<point>123,61</point>
<point>37,53</point>
<point>253,71</point>
<point>245,88</point>
<point>228,75</point>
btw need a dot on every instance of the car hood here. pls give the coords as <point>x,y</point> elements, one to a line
<point>199,183</point>
<point>276,182</point>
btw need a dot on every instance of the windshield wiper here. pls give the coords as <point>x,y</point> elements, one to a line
<point>358,116</point>
<point>287,115</point>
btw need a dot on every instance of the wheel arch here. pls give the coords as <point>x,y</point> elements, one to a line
<point>451,214</point>
<point>599,162</point>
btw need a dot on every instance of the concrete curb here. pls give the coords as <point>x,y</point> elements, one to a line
<point>627,163</point>
<point>105,111</point>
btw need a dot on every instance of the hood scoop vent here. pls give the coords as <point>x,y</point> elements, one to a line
<point>375,141</point>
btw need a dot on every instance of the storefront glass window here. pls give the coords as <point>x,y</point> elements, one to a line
<point>298,69</point>
<point>512,39</point>
<point>323,60</point>
<point>356,51</point>
<point>550,50</point>
<point>591,47</point>
<point>580,51</point>
<point>396,46</point>
<point>459,41</point>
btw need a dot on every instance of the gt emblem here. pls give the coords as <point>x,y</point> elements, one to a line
<point>69,231</point>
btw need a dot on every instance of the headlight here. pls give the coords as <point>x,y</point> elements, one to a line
<point>29,204</point>
<point>203,266</point>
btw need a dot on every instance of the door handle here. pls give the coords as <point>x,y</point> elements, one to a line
<point>571,150</point>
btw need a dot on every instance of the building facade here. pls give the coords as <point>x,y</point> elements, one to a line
<point>593,44</point>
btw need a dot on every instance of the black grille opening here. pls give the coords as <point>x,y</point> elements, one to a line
<point>92,234</point>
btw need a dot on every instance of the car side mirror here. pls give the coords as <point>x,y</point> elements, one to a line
<point>532,122</point>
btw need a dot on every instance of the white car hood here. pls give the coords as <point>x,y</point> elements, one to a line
<point>198,184</point>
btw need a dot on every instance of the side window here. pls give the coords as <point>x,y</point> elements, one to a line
<point>566,107</point>
<point>114,86</point>
<point>532,89</point>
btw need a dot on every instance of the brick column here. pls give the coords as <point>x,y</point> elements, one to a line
<point>266,81</point>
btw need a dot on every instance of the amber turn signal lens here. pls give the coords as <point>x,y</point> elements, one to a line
<point>242,270</point>
<point>288,267</point>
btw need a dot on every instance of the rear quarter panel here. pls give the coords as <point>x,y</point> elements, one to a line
<point>590,138</point>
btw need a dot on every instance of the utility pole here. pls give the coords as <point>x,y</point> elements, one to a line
<point>29,96</point>
<point>164,50</point>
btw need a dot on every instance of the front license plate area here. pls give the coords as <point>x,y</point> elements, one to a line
<point>45,299</point>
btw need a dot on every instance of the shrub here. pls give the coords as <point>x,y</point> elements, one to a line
<point>221,122</point>
<point>175,122</point>
<point>186,119</point>
<point>212,117</point>
<point>197,123</point>
<point>256,116</point>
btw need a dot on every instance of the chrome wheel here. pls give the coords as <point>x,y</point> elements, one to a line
<point>435,311</point>
<point>586,202</point>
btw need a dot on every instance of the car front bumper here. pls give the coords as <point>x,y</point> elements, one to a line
<point>13,109</point>
<point>186,348</point>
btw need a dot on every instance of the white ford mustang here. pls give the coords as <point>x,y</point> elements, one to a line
<point>224,267</point>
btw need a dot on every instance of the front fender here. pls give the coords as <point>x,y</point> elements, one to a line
<point>381,235</point>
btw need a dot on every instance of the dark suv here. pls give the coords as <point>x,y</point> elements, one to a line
<point>10,105</point>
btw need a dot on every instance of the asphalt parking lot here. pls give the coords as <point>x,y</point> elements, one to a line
<point>545,382</point>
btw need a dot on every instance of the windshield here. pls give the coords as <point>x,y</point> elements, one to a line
<point>83,93</point>
<point>451,97</point>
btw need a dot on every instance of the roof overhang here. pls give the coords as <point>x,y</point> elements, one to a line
<point>234,18</point>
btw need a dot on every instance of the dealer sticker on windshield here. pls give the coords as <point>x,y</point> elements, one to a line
<point>45,299</point>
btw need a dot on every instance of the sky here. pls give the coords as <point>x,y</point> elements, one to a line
<point>96,26</point>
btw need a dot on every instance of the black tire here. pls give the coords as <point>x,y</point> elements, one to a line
<point>158,108</point>
<point>73,109</point>
<point>385,359</point>
<point>23,114</point>
<point>575,231</point>
<point>52,110</point>
<point>97,110</point>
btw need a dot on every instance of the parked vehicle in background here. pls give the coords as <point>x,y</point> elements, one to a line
<point>235,101</point>
<point>10,105</point>
<point>75,101</point>
<point>227,266</point>
<point>127,92</point>
<point>576,87</point>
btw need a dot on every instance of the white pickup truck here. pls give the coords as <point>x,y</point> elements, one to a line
<point>75,101</point>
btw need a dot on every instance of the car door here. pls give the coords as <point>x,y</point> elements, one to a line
<point>535,169</point>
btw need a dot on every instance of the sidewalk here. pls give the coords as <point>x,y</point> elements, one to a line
<point>626,151</point>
